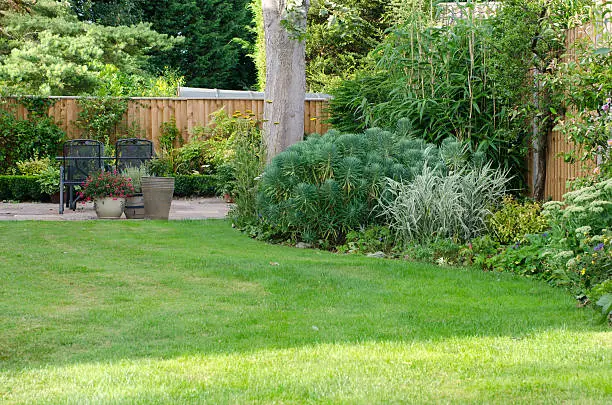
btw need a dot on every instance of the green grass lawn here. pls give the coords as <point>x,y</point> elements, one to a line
<point>194,312</point>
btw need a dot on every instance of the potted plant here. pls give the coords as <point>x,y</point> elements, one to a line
<point>134,204</point>
<point>108,190</point>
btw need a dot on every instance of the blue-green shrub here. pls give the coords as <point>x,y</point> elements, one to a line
<point>320,189</point>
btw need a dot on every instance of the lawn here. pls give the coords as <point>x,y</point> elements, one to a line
<point>194,312</point>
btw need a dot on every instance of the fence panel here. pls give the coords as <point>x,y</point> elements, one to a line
<point>144,116</point>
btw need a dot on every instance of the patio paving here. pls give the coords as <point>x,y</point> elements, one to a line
<point>192,208</point>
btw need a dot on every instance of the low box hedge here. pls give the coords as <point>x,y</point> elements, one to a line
<point>20,188</point>
<point>26,188</point>
<point>197,185</point>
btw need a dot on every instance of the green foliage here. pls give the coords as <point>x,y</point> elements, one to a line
<point>20,188</point>
<point>49,52</point>
<point>514,220</point>
<point>468,79</point>
<point>162,166</point>
<point>194,185</point>
<point>21,140</point>
<point>170,137</point>
<point>134,175</point>
<point>247,164</point>
<point>100,117</point>
<point>38,107</point>
<point>213,54</point>
<point>577,251</point>
<point>443,252</point>
<point>33,166</point>
<point>586,80</point>
<point>108,12</point>
<point>49,180</point>
<point>438,206</point>
<point>605,302</point>
<point>322,188</point>
<point>258,50</point>
<point>590,206</point>
<point>340,36</point>
<point>368,240</point>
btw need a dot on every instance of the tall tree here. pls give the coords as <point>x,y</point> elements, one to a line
<point>213,54</point>
<point>215,33</point>
<point>50,52</point>
<point>284,30</point>
<point>340,36</point>
<point>109,12</point>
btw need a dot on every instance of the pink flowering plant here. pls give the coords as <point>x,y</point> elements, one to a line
<point>106,184</point>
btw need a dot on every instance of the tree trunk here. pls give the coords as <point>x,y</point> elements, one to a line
<point>539,172</point>
<point>285,74</point>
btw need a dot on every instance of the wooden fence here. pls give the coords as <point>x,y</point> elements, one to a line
<point>558,172</point>
<point>144,116</point>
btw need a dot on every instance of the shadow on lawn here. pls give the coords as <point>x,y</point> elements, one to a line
<point>165,299</point>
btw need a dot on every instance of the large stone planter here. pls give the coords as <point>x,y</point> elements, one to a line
<point>134,207</point>
<point>109,207</point>
<point>157,192</point>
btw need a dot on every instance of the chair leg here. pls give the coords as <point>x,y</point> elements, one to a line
<point>61,190</point>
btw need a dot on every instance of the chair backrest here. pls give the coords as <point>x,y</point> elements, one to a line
<point>82,157</point>
<point>132,152</point>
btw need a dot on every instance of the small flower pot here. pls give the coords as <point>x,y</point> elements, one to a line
<point>109,207</point>
<point>228,198</point>
<point>135,207</point>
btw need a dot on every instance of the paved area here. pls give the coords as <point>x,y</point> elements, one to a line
<point>192,208</point>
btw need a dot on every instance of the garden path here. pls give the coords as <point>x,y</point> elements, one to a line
<point>192,208</point>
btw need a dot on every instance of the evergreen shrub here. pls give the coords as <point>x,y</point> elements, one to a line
<point>196,185</point>
<point>20,188</point>
<point>322,188</point>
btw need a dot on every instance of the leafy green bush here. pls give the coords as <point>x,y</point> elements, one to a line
<point>447,81</point>
<point>49,180</point>
<point>320,189</point>
<point>21,140</point>
<point>577,251</point>
<point>100,117</point>
<point>196,185</point>
<point>589,206</point>
<point>20,188</point>
<point>170,136</point>
<point>514,220</point>
<point>246,165</point>
<point>369,240</point>
<point>33,166</point>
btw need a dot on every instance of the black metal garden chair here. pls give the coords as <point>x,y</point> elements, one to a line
<point>132,152</point>
<point>80,158</point>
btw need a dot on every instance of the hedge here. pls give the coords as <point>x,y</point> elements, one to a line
<point>26,188</point>
<point>197,185</point>
<point>20,188</point>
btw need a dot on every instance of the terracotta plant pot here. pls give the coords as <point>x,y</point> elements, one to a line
<point>109,207</point>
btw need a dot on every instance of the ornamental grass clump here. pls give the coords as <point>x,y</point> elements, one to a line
<point>438,205</point>
<point>106,184</point>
